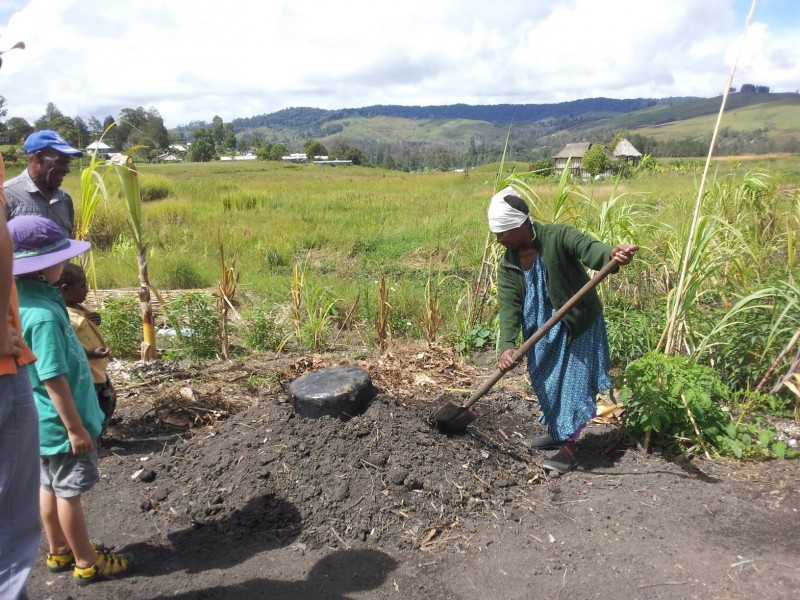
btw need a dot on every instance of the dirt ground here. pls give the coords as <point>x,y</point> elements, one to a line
<point>252,501</point>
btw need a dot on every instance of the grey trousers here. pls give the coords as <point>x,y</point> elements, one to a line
<point>19,484</point>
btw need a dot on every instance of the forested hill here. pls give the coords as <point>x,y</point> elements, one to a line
<point>500,114</point>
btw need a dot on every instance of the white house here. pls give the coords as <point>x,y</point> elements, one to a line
<point>296,157</point>
<point>101,148</point>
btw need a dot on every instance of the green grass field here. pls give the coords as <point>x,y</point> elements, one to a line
<point>346,226</point>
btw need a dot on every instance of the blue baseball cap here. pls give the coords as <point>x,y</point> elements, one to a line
<point>47,138</point>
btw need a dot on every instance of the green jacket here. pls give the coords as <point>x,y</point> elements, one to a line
<point>564,251</point>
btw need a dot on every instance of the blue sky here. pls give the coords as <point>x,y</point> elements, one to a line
<point>194,59</point>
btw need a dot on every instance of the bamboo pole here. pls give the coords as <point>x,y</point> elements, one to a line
<point>670,345</point>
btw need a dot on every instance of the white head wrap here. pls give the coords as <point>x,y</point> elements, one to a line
<point>503,216</point>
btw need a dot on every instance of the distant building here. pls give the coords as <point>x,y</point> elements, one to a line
<point>333,163</point>
<point>627,152</point>
<point>103,150</point>
<point>573,154</point>
<point>239,157</point>
<point>296,157</point>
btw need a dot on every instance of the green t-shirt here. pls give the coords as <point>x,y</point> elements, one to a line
<point>47,331</point>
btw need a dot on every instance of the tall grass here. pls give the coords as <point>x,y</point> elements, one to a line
<point>349,227</point>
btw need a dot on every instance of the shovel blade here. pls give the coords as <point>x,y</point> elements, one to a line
<point>453,417</point>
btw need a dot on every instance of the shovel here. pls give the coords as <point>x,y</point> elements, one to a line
<point>454,417</point>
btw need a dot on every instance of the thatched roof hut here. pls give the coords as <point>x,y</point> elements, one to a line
<point>627,151</point>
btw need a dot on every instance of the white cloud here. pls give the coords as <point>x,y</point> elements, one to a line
<point>196,59</point>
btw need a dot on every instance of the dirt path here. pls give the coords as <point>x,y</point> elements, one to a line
<point>268,505</point>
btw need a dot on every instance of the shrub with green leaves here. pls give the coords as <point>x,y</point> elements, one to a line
<point>631,332</point>
<point>196,322</point>
<point>121,326</point>
<point>662,390</point>
<point>480,337</point>
<point>263,330</point>
<point>677,403</point>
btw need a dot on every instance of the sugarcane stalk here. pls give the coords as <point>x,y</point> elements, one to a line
<point>678,308</point>
<point>129,179</point>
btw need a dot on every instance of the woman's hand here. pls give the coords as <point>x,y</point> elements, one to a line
<point>506,360</point>
<point>623,253</point>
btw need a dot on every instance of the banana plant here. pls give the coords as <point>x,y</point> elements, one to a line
<point>129,178</point>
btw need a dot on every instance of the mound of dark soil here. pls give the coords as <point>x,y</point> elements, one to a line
<point>252,501</point>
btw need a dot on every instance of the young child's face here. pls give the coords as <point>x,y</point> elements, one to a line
<point>51,274</point>
<point>76,291</point>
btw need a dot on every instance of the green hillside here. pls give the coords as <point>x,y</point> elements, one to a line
<point>773,116</point>
<point>777,118</point>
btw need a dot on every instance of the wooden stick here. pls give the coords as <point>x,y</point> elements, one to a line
<point>696,428</point>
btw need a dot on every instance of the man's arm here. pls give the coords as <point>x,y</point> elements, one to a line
<point>9,338</point>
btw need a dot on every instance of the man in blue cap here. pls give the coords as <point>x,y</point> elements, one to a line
<point>37,190</point>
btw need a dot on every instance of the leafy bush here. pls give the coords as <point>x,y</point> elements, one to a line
<point>542,167</point>
<point>631,332</point>
<point>663,389</point>
<point>479,337</point>
<point>675,403</point>
<point>263,330</point>
<point>196,323</point>
<point>121,326</point>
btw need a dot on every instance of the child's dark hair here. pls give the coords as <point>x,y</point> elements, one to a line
<point>70,275</point>
<point>516,202</point>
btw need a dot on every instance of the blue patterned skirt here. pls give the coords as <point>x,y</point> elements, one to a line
<point>566,374</point>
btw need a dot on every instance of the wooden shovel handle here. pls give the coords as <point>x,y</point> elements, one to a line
<point>539,333</point>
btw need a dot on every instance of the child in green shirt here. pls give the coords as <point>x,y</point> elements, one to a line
<point>70,419</point>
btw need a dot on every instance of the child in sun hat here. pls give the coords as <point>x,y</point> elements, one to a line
<point>70,418</point>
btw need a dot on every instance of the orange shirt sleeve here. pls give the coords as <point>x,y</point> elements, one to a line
<point>8,365</point>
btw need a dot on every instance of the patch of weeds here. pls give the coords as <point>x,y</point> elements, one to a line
<point>154,187</point>
<point>479,337</point>
<point>778,405</point>
<point>121,326</point>
<point>675,404</point>
<point>184,275</point>
<point>263,330</point>
<point>671,399</point>
<point>194,318</point>
<point>754,442</point>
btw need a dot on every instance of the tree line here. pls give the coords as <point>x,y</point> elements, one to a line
<point>142,132</point>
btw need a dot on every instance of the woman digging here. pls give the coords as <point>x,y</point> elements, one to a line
<point>543,266</point>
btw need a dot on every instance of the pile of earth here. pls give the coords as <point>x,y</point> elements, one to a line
<point>387,477</point>
<point>220,490</point>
